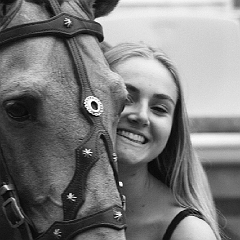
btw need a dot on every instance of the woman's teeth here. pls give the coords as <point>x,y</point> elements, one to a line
<point>131,136</point>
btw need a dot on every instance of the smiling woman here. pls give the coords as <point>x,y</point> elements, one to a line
<point>150,102</point>
<point>167,191</point>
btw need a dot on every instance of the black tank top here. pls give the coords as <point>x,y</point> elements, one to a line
<point>179,217</point>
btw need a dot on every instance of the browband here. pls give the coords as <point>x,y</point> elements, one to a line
<point>63,25</point>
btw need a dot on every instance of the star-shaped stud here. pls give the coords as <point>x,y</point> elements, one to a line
<point>67,22</point>
<point>71,197</point>
<point>57,233</point>
<point>87,152</point>
<point>117,215</point>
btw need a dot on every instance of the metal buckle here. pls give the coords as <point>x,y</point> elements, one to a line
<point>124,202</point>
<point>16,219</point>
<point>6,188</point>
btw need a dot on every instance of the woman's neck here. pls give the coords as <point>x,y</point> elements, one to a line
<point>133,176</point>
<point>143,189</point>
<point>138,186</point>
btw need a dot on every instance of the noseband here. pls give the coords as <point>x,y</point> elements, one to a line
<point>67,27</point>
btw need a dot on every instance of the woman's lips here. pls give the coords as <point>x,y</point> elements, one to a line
<point>132,136</point>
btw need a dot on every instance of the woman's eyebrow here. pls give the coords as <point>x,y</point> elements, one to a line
<point>159,96</point>
<point>162,96</point>
<point>131,88</point>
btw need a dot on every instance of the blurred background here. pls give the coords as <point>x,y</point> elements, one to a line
<point>202,37</point>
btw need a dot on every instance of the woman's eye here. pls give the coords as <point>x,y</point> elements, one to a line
<point>128,100</point>
<point>160,109</point>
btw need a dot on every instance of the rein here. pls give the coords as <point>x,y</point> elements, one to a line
<point>66,26</point>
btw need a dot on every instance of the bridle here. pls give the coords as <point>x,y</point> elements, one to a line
<point>67,27</point>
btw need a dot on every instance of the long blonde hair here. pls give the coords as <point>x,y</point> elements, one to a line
<point>177,166</point>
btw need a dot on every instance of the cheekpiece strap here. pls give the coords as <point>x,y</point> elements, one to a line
<point>86,156</point>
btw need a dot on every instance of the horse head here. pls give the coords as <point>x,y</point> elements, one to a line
<point>59,107</point>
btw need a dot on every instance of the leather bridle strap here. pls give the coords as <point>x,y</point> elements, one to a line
<point>11,206</point>
<point>68,229</point>
<point>63,25</point>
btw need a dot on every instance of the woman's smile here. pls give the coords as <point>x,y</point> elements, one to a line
<point>132,136</point>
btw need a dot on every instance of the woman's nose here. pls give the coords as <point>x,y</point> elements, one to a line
<point>139,115</point>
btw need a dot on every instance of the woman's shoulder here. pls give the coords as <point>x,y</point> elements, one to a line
<point>189,224</point>
<point>193,228</point>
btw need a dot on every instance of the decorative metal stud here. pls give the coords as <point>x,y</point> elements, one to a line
<point>67,22</point>
<point>57,233</point>
<point>87,152</point>
<point>115,157</point>
<point>117,215</point>
<point>71,197</point>
<point>93,105</point>
<point>124,202</point>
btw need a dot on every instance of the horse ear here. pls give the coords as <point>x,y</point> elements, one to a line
<point>104,7</point>
<point>5,6</point>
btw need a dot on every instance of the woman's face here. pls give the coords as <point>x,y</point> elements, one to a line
<point>146,121</point>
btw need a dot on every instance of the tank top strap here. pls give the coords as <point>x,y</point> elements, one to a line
<point>178,218</point>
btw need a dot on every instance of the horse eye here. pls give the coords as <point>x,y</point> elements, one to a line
<point>17,110</point>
